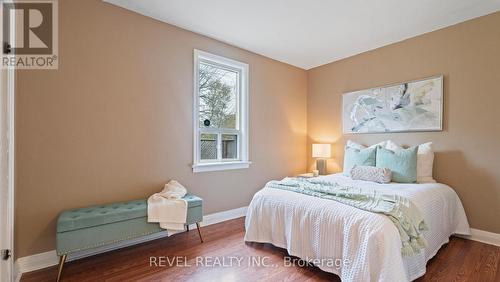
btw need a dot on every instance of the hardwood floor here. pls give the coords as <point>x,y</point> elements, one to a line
<point>459,260</point>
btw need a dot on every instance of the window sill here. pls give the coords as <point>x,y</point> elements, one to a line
<point>203,167</point>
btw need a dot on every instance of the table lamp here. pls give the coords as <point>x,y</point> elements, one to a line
<point>321,152</point>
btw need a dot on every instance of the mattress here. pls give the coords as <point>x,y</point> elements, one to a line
<point>355,244</point>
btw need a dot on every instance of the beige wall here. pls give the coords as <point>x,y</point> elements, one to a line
<point>114,122</point>
<point>468,55</point>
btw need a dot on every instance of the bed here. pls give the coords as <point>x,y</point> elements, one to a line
<point>356,245</point>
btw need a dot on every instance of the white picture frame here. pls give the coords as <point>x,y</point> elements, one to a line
<point>413,106</point>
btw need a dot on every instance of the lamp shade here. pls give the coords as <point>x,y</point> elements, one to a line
<point>321,151</point>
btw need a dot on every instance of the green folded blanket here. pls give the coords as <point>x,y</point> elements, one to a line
<point>400,210</point>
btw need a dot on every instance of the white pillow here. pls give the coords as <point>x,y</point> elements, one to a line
<point>392,146</point>
<point>425,163</point>
<point>425,160</point>
<point>358,146</point>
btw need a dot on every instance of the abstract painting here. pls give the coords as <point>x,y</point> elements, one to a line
<point>404,107</point>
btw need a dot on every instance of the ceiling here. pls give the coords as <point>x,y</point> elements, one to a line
<point>308,34</point>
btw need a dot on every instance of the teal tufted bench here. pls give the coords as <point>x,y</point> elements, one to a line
<point>96,226</point>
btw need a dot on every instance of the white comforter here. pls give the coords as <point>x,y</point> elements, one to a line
<point>367,244</point>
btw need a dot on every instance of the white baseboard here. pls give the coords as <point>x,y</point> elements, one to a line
<point>217,217</point>
<point>483,237</point>
<point>50,258</point>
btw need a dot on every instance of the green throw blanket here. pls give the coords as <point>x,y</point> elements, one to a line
<point>401,211</point>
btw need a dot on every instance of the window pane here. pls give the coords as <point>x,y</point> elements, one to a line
<point>229,146</point>
<point>208,146</point>
<point>218,90</point>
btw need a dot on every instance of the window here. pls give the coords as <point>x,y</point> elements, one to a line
<point>220,113</point>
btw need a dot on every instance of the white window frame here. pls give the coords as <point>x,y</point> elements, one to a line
<point>242,117</point>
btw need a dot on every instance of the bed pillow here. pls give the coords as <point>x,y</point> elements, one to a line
<point>353,156</point>
<point>425,160</point>
<point>371,173</point>
<point>390,145</point>
<point>402,163</point>
<point>356,145</point>
<point>425,163</point>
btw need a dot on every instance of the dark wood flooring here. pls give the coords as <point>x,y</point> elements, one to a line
<point>459,260</point>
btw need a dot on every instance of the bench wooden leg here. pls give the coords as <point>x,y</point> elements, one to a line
<point>199,232</point>
<point>62,259</point>
<point>187,227</point>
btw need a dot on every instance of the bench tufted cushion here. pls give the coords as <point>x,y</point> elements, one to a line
<point>104,214</point>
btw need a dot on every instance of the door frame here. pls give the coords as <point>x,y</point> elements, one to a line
<point>9,134</point>
<point>11,168</point>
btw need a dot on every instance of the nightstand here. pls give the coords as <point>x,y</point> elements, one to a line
<point>306,175</point>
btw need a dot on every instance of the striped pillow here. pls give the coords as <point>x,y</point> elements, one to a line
<point>371,173</point>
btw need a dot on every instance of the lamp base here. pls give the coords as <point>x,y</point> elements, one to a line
<point>321,166</point>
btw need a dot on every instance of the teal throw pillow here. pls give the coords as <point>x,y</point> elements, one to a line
<point>364,157</point>
<point>402,163</point>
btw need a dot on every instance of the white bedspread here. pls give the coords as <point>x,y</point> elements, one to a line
<point>314,228</point>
